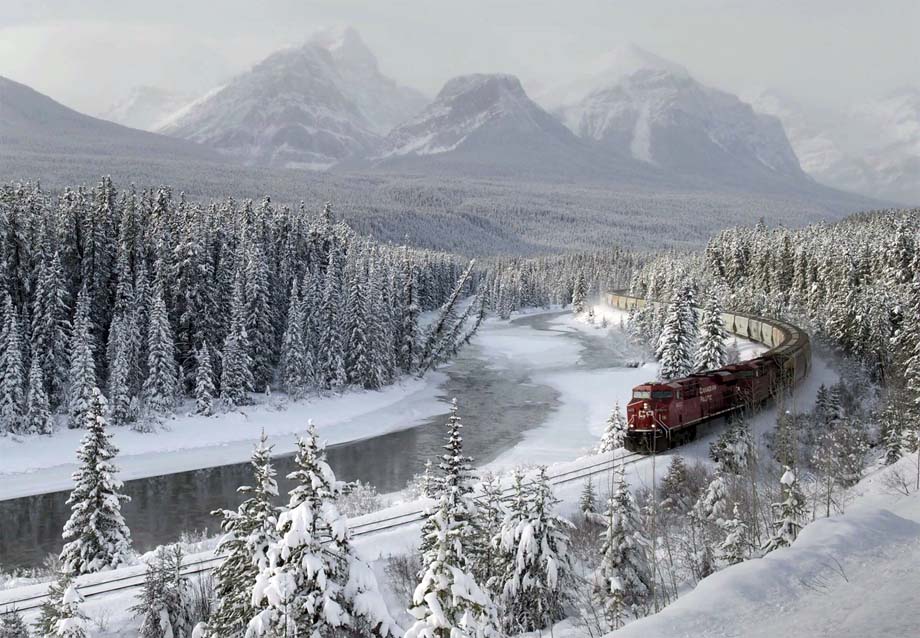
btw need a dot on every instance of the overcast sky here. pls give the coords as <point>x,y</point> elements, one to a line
<point>88,53</point>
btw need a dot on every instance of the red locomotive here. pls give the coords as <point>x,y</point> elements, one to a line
<point>663,414</point>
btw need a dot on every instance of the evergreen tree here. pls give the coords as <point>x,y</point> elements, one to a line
<point>407,328</point>
<point>614,436</point>
<point>625,577</point>
<point>788,515</point>
<point>678,337</point>
<point>533,547</point>
<point>12,625</point>
<point>60,615</point>
<point>675,486</point>
<point>204,382</point>
<point>38,413</point>
<point>448,601</point>
<point>490,516</point>
<point>82,364</point>
<point>236,377</point>
<point>120,372</point>
<point>248,534</point>
<point>359,359</point>
<point>50,327</point>
<point>294,348</point>
<point>258,316</point>
<point>580,293</point>
<point>163,602</point>
<point>736,544</point>
<point>12,379</point>
<point>331,364</point>
<point>162,383</point>
<point>587,503</point>
<point>314,584</point>
<point>710,353</point>
<point>96,537</point>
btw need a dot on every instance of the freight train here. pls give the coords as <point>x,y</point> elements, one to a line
<point>663,414</point>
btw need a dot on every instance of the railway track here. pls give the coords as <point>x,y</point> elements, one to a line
<point>202,566</point>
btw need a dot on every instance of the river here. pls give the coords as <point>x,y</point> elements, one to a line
<point>499,403</point>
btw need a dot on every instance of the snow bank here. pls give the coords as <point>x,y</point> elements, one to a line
<point>851,575</point>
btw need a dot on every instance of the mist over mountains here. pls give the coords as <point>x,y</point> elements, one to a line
<point>634,150</point>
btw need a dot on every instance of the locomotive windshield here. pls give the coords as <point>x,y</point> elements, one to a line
<point>662,394</point>
<point>642,394</point>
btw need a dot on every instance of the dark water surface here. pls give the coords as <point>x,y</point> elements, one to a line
<point>498,407</point>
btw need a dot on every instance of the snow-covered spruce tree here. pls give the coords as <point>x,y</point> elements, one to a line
<point>489,518</point>
<point>787,515</point>
<point>675,486</point>
<point>12,625</point>
<point>96,536</point>
<point>707,515</point>
<point>614,436</point>
<point>533,551</point>
<point>736,544</point>
<point>456,475</point>
<point>258,315</point>
<point>408,312</point>
<point>358,358</point>
<point>677,341</point>
<point>236,370</point>
<point>710,352</point>
<point>248,533</point>
<point>579,293</point>
<point>38,411</point>
<point>587,502</point>
<point>82,364</point>
<point>330,366</point>
<point>50,327</point>
<point>313,583</point>
<point>624,579</point>
<point>163,602</point>
<point>119,372</point>
<point>204,382</point>
<point>294,348</point>
<point>448,602</point>
<point>60,615</point>
<point>162,383</point>
<point>12,374</point>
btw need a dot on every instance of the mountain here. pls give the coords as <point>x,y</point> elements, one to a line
<point>638,104</point>
<point>872,148</point>
<point>380,99</point>
<point>144,107</point>
<point>32,124</point>
<point>306,107</point>
<point>483,124</point>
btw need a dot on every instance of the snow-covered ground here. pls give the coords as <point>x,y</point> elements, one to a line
<point>853,575</point>
<point>37,464</point>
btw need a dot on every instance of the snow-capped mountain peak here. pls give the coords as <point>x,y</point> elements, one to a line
<point>465,105</point>
<point>311,106</point>
<point>346,46</point>
<point>636,103</point>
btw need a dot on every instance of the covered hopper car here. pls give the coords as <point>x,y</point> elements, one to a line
<point>662,414</point>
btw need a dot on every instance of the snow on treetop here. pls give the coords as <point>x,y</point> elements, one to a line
<point>788,477</point>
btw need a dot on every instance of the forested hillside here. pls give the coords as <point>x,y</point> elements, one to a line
<point>152,298</point>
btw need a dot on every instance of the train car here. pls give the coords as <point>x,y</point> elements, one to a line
<point>661,415</point>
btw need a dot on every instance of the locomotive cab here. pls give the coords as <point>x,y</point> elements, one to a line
<point>647,415</point>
